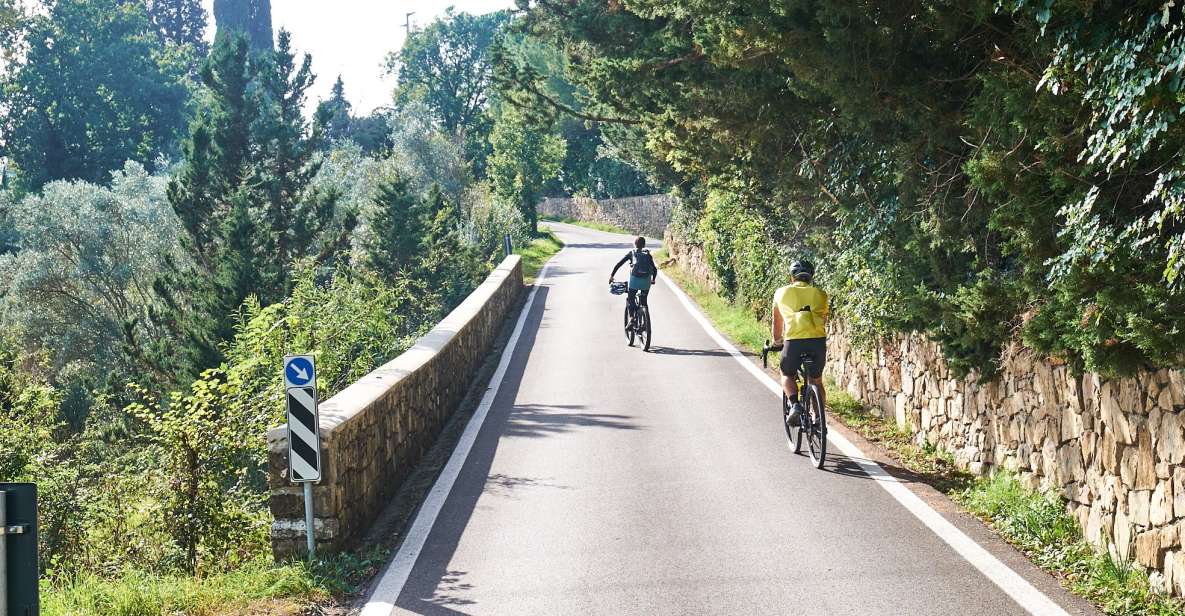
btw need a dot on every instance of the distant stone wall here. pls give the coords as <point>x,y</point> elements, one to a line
<point>645,215</point>
<point>376,430</point>
<point>1114,448</point>
<point>690,257</point>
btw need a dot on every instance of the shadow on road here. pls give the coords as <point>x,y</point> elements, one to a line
<point>840,464</point>
<point>558,271</point>
<point>661,350</point>
<point>506,485</point>
<point>598,245</point>
<point>532,420</point>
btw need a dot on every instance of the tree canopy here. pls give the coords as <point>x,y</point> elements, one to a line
<point>981,172</point>
<point>95,87</point>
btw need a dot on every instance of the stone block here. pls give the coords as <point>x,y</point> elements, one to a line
<point>1150,550</point>
<point>1161,508</point>
<point>1179,492</point>
<point>1176,387</point>
<point>1145,462</point>
<point>1069,463</point>
<point>1071,424</point>
<point>1110,453</point>
<point>1170,446</point>
<point>1112,414</point>
<point>1121,537</point>
<point>1139,504</point>
<point>1170,536</point>
<point>1098,525</point>
<point>1178,572</point>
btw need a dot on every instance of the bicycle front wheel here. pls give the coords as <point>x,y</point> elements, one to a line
<point>644,327</point>
<point>629,330</point>
<point>816,432</point>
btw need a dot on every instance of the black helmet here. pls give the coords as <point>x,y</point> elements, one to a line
<point>802,270</point>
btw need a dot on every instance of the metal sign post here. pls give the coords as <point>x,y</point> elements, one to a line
<point>507,245</point>
<point>18,550</point>
<point>304,434</point>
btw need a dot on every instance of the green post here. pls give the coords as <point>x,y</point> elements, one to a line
<point>18,550</point>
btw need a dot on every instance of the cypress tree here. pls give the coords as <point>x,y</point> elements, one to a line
<point>250,17</point>
<point>336,111</point>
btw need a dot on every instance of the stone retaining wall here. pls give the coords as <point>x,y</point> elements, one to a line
<point>1114,448</point>
<point>375,431</point>
<point>645,215</point>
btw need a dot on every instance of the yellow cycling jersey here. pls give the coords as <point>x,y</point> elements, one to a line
<point>804,311</point>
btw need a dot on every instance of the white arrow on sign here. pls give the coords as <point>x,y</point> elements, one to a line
<point>304,376</point>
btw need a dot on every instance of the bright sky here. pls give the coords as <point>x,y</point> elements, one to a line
<point>351,38</point>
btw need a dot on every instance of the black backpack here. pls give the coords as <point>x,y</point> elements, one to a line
<point>643,264</point>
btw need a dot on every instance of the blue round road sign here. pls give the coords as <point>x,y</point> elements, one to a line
<point>299,371</point>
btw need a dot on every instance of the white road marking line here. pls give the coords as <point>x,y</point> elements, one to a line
<point>1025,594</point>
<point>394,577</point>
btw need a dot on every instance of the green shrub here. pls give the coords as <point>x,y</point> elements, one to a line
<point>747,264</point>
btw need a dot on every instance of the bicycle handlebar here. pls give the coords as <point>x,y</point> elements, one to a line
<point>766,349</point>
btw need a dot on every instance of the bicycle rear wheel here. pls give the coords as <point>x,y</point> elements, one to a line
<point>644,326</point>
<point>817,427</point>
<point>629,330</point>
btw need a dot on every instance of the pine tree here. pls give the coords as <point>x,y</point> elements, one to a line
<point>243,195</point>
<point>217,151</point>
<point>395,231</point>
<point>294,216</point>
<point>450,266</point>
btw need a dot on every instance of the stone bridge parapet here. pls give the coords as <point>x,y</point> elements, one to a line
<point>376,430</point>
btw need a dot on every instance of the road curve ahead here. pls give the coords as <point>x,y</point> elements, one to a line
<point>605,480</point>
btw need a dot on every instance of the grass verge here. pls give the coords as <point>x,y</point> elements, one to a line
<point>599,226</point>
<point>734,321</point>
<point>259,587</point>
<point>930,464</point>
<point>535,254</point>
<point>1036,523</point>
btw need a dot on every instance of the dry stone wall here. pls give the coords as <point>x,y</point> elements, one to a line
<point>1114,448</point>
<point>646,215</point>
<point>376,430</point>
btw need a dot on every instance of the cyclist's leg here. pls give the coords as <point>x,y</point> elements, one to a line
<point>631,300</point>
<point>791,358</point>
<point>817,347</point>
<point>642,295</point>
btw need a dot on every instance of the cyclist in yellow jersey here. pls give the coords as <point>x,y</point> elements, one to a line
<point>799,323</point>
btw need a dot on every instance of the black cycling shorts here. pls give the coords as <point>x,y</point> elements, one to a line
<point>793,350</point>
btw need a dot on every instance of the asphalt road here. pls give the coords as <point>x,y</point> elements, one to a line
<point>611,481</point>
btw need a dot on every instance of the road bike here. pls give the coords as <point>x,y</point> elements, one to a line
<point>812,422</point>
<point>637,325</point>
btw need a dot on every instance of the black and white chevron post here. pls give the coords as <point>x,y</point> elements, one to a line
<point>304,434</point>
<point>304,442</point>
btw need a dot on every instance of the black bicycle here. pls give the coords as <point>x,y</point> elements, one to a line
<point>812,421</point>
<point>637,324</point>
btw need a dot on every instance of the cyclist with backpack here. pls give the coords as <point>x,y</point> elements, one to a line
<point>799,323</point>
<point>643,273</point>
